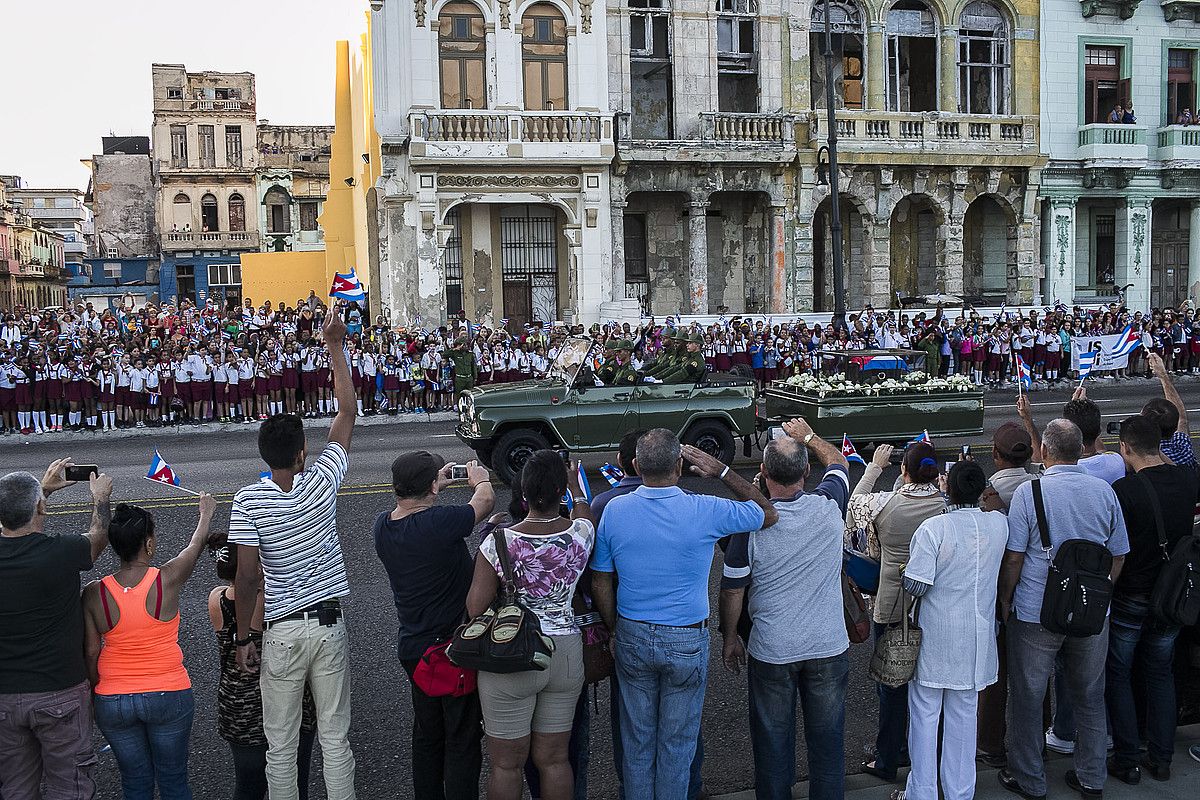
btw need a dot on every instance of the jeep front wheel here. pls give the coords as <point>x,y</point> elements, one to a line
<point>713,438</point>
<point>513,450</point>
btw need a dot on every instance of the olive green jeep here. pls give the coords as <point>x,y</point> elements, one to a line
<point>505,423</point>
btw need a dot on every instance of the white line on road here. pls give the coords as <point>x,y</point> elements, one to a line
<point>1190,411</point>
<point>1059,403</point>
<point>442,436</point>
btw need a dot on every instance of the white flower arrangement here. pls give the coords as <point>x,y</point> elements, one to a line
<point>912,383</point>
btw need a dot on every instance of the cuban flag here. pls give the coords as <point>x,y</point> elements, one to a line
<point>1128,342</point>
<point>504,322</point>
<point>1086,362</point>
<point>1023,374</point>
<point>924,438</point>
<point>583,482</point>
<point>347,287</point>
<point>161,471</point>
<point>612,474</point>
<point>850,452</point>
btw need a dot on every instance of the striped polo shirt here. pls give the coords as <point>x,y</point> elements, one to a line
<point>296,534</point>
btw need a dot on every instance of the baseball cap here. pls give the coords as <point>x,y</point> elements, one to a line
<point>1012,441</point>
<point>413,473</point>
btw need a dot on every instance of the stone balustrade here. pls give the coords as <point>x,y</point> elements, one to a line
<point>925,130</point>
<point>753,129</point>
<point>211,240</point>
<point>1112,144</point>
<point>525,126</point>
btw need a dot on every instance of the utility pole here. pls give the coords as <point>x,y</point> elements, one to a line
<point>835,212</point>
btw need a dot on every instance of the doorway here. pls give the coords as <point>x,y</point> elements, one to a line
<point>529,260</point>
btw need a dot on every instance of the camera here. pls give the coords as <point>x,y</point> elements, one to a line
<point>81,472</point>
<point>458,472</point>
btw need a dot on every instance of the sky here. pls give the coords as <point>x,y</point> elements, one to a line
<point>77,70</point>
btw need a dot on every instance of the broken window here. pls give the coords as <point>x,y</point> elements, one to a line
<point>651,82</point>
<point>984,60</point>
<point>237,212</point>
<point>179,154</point>
<point>1181,86</point>
<point>737,56</point>
<point>1103,87</point>
<point>847,34</point>
<point>637,275</point>
<point>279,210</point>
<point>174,93</point>
<point>181,213</point>
<point>462,54</point>
<point>208,146</point>
<point>544,58</point>
<point>912,45</point>
<point>308,216</point>
<point>208,214</point>
<point>233,145</point>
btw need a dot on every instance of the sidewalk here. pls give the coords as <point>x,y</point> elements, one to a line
<point>1184,783</point>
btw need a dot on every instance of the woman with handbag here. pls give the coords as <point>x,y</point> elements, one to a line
<point>531,711</point>
<point>953,568</point>
<point>887,521</point>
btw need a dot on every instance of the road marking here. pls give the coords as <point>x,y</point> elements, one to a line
<point>1054,403</point>
<point>1188,410</point>
<point>443,436</point>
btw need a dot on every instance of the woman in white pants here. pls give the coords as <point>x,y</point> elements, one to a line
<point>953,565</point>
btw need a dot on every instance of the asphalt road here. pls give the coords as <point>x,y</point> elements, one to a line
<point>222,461</point>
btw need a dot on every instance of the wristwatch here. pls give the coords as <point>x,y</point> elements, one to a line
<point>809,438</point>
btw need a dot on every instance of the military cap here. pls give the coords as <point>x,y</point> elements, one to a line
<point>624,344</point>
<point>696,338</point>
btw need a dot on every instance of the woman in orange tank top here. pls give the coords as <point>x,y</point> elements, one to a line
<point>143,695</point>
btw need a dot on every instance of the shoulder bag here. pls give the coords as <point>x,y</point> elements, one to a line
<point>1078,589</point>
<point>507,637</point>
<point>894,660</point>
<point>437,676</point>
<point>1175,599</point>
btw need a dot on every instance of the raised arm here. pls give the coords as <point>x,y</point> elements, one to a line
<point>334,333</point>
<point>176,571</point>
<point>483,499</point>
<point>97,535</point>
<point>1025,411</point>
<point>706,466</point>
<point>879,461</point>
<point>825,453</point>
<point>1169,390</point>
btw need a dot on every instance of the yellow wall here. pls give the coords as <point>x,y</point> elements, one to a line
<point>285,277</point>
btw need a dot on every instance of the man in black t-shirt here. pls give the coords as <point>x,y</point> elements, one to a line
<point>45,698</point>
<point>424,550</point>
<point>1155,489</point>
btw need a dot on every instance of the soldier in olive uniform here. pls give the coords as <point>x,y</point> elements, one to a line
<point>466,372</point>
<point>625,374</point>
<point>691,365</point>
<point>609,368</point>
<point>668,360</point>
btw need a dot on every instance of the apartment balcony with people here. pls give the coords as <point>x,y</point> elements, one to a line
<point>174,241</point>
<point>1179,145</point>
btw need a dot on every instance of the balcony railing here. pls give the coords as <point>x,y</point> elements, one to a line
<point>529,126</point>
<point>1112,143</point>
<point>933,130</point>
<point>1179,143</point>
<point>178,104</point>
<point>751,129</point>
<point>210,240</point>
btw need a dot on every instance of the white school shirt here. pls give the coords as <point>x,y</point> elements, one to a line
<point>220,373</point>
<point>182,375</point>
<point>137,380</point>
<point>124,376</point>
<point>151,379</point>
<point>368,366</point>
<point>108,381</point>
<point>1053,343</point>
<point>7,379</point>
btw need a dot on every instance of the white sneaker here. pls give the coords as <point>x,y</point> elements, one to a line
<point>1058,745</point>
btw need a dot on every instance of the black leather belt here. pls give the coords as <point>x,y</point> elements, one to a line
<point>326,612</point>
<point>701,624</point>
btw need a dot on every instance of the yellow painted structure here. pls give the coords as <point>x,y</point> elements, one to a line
<point>284,277</point>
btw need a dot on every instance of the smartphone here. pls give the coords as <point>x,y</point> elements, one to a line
<point>458,472</point>
<point>1113,428</point>
<point>82,472</point>
<point>565,455</point>
<point>965,453</point>
<point>778,433</point>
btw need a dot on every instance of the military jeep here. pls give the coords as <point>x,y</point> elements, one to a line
<point>505,423</point>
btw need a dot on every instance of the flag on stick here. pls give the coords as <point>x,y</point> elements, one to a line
<point>161,472</point>
<point>1128,342</point>
<point>850,452</point>
<point>1024,377</point>
<point>347,287</point>
<point>1086,362</point>
<point>583,482</point>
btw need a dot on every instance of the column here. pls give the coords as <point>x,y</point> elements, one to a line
<point>617,221</point>
<point>800,286</point>
<point>697,211</point>
<point>777,274</point>
<point>876,62</point>
<point>1060,266</point>
<point>1193,287</point>
<point>951,234</point>
<point>948,70</point>
<point>1134,268</point>
<point>878,263</point>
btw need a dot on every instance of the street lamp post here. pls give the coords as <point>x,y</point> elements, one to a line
<point>835,213</point>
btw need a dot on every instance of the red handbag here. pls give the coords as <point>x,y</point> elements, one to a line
<point>437,676</point>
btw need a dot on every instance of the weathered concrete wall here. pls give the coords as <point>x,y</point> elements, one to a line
<point>123,203</point>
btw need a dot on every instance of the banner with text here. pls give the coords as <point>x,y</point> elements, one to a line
<point>1105,344</point>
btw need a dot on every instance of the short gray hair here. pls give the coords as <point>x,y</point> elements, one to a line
<point>657,453</point>
<point>785,461</point>
<point>1062,441</point>
<point>20,493</point>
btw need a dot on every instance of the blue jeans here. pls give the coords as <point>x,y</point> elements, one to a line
<point>821,685</point>
<point>149,734</point>
<point>663,671</point>
<point>695,785</point>
<point>893,721</point>
<point>1135,638</point>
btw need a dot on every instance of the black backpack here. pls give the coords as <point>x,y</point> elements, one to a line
<point>1078,589</point>
<point>1175,599</point>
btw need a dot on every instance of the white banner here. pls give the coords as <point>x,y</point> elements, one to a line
<point>1105,344</point>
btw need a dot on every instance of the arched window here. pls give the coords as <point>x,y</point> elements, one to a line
<point>279,210</point>
<point>462,55</point>
<point>848,33</point>
<point>208,214</point>
<point>912,46</point>
<point>181,213</point>
<point>984,60</point>
<point>544,58</point>
<point>237,212</point>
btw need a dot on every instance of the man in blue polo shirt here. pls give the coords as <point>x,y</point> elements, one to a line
<point>660,540</point>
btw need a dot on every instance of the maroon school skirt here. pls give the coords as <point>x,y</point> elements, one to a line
<point>107,398</point>
<point>23,394</point>
<point>39,391</point>
<point>261,385</point>
<point>246,387</point>
<point>291,378</point>
<point>1053,359</point>
<point>723,362</point>
<point>167,390</point>
<point>54,389</point>
<point>8,399</point>
<point>201,391</point>
<point>71,391</point>
<point>122,396</point>
<point>391,383</point>
<point>233,392</point>
<point>275,383</point>
<point>138,400</point>
<point>308,381</point>
<point>366,384</point>
<point>1039,353</point>
<point>323,378</point>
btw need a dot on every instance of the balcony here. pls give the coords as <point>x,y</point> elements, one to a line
<point>76,213</point>
<point>942,137</point>
<point>723,137</point>
<point>550,137</point>
<point>1103,145</point>
<point>1179,143</point>
<point>204,106</point>
<point>220,240</point>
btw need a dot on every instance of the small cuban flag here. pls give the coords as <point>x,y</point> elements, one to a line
<point>924,438</point>
<point>612,474</point>
<point>1086,362</point>
<point>583,482</point>
<point>1125,345</point>
<point>264,475</point>
<point>161,471</point>
<point>347,287</point>
<point>849,451</point>
<point>1023,374</point>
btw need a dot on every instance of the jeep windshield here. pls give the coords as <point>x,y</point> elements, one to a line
<point>571,356</point>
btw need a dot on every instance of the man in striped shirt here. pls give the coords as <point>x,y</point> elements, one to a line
<point>286,532</point>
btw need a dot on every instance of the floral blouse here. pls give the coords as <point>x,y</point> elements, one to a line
<point>546,569</point>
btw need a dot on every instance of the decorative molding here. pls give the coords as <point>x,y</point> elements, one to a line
<point>1137,225</point>
<point>419,12</point>
<point>1187,10</point>
<point>585,15</point>
<point>508,181</point>
<point>1107,177</point>
<point>1062,227</point>
<point>505,14</point>
<point>1108,8</point>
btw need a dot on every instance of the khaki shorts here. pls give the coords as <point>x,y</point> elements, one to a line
<point>541,701</point>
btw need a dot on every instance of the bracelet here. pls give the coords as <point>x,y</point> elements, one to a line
<point>489,480</point>
<point>243,642</point>
<point>724,472</point>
